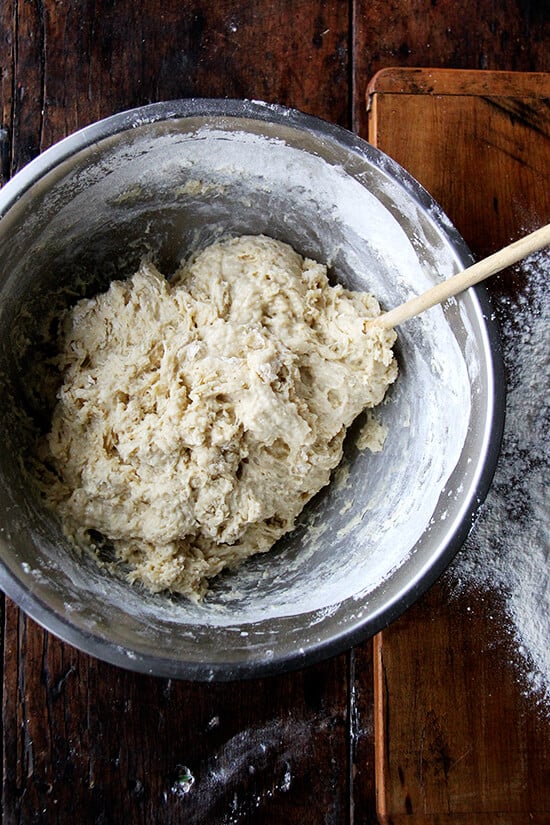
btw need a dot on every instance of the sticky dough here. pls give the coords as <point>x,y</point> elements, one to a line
<point>197,416</point>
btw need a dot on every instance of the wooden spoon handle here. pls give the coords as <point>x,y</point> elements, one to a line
<point>458,283</point>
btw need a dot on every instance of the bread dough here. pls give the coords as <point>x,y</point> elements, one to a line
<point>197,416</point>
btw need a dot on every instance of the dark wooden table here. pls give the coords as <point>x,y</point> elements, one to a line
<point>84,742</point>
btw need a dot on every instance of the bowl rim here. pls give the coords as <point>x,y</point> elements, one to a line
<point>104,649</point>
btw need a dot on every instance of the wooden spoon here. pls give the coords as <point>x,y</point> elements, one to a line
<point>458,283</point>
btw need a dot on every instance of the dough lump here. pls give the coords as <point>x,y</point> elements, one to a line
<point>198,415</point>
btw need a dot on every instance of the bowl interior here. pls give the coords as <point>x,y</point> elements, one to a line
<point>162,182</point>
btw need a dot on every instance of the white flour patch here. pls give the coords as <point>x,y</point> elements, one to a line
<point>251,771</point>
<point>509,548</point>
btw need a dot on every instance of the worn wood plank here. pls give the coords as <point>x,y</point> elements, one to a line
<point>28,83</point>
<point>456,738</point>
<point>7,65</point>
<point>361,737</point>
<point>76,62</point>
<point>102,57</point>
<point>88,737</point>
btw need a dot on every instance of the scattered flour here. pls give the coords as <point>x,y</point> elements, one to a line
<point>247,774</point>
<point>509,548</point>
<point>372,436</point>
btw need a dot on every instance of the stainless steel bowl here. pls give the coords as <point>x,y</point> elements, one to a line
<point>171,177</point>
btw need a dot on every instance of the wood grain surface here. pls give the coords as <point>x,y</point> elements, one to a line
<point>476,749</point>
<point>89,743</point>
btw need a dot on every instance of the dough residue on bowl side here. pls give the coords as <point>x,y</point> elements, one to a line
<point>198,415</point>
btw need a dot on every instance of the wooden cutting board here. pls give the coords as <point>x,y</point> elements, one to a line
<point>456,738</point>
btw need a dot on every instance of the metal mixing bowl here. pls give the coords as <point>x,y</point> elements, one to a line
<point>171,177</point>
